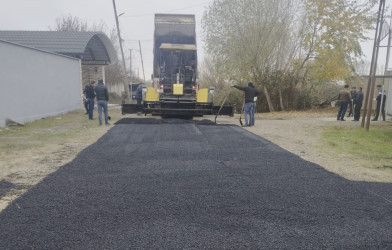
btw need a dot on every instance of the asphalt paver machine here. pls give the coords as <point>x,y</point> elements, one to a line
<point>174,91</point>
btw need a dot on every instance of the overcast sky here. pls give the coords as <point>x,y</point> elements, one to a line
<point>137,22</point>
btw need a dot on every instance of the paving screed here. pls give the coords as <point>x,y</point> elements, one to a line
<point>170,184</point>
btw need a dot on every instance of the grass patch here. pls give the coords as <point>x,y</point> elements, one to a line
<point>51,130</point>
<point>374,145</point>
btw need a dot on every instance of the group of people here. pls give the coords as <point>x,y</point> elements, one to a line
<point>351,99</point>
<point>100,92</point>
<point>354,99</point>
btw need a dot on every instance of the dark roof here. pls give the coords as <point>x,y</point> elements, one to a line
<point>91,47</point>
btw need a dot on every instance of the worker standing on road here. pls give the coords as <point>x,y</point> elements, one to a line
<point>102,101</point>
<point>344,98</point>
<point>250,93</point>
<point>90,95</point>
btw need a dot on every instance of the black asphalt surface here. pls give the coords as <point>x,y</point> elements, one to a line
<point>172,184</point>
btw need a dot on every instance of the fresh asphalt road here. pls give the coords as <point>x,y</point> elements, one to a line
<point>171,184</point>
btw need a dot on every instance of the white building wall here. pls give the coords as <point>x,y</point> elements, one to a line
<point>36,84</point>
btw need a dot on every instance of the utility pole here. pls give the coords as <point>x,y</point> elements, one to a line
<point>130,70</point>
<point>141,57</point>
<point>126,88</point>
<point>386,66</point>
<point>373,68</point>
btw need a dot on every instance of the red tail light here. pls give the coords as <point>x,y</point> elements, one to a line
<point>161,86</point>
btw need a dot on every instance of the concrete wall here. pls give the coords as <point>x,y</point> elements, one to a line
<point>37,84</point>
<point>97,72</point>
<point>92,73</point>
<point>117,88</point>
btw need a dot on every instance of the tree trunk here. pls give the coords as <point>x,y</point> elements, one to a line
<point>280,98</point>
<point>267,97</point>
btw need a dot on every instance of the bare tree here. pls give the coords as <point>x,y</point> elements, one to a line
<point>284,45</point>
<point>250,37</point>
<point>209,75</point>
<point>70,23</point>
<point>113,72</point>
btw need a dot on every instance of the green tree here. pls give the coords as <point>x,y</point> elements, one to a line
<point>251,37</point>
<point>283,46</point>
<point>331,36</point>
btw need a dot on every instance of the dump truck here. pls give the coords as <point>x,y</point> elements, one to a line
<point>175,91</point>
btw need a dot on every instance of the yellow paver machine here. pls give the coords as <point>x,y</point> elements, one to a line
<point>174,90</point>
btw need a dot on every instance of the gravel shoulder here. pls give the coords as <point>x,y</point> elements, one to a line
<point>299,133</point>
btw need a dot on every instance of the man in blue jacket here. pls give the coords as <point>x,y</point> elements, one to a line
<point>102,100</point>
<point>250,93</point>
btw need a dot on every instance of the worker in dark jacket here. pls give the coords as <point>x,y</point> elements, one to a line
<point>358,104</point>
<point>102,100</point>
<point>250,93</point>
<point>381,98</point>
<point>90,95</point>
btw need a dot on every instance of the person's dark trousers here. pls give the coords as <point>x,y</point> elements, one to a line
<point>357,111</point>
<point>350,113</point>
<point>139,105</point>
<point>247,111</point>
<point>102,104</point>
<point>378,111</point>
<point>86,106</point>
<point>90,108</point>
<point>342,110</point>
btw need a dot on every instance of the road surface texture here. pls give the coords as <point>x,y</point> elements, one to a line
<point>174,184</point>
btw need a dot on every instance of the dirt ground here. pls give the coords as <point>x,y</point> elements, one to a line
<point>298,133</point>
